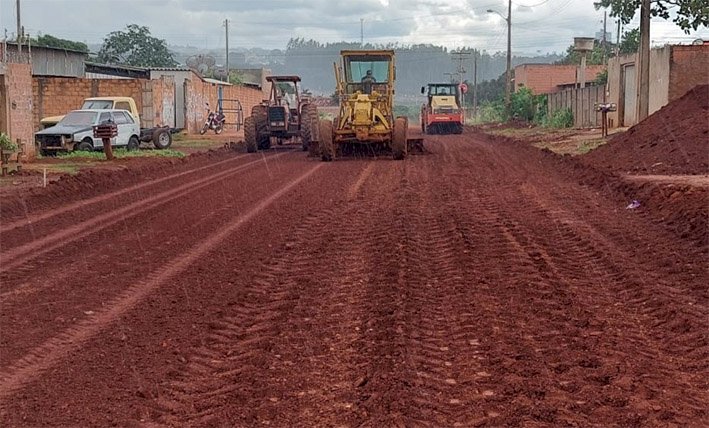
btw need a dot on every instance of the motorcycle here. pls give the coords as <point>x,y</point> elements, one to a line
<point>215,121</point>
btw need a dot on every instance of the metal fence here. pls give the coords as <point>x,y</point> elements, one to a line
<point>581,101</point>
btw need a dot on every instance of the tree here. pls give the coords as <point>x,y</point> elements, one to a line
<point>630,41</point>
<point>55,42</point>
<point>136,47</point>
<point>689,14</point>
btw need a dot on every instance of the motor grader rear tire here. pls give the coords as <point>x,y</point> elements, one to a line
<point>250,135</point>
<point>327,145</point>
<point>398,139</point>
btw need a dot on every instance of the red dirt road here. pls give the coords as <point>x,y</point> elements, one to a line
<point>485,283</point>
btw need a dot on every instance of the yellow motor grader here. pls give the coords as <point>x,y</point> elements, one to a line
<point>365,89</point>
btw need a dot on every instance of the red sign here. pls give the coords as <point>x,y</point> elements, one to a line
<point>463,88</point>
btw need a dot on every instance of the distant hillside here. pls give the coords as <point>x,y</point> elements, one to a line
<point>312,60</point>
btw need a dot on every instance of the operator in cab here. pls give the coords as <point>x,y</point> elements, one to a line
<point>367,81</point>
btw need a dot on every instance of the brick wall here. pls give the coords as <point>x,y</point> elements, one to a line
<point>545,78</point>
<point>16,84</point>
<point>54,96</point>
<point>155,99</point>
<point>689,67</point>
<point>199,92</point>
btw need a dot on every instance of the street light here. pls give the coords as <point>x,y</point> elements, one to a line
<point>508,76</point>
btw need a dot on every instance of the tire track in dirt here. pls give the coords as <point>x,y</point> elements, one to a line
<point>271,333</point>
<point>582,317</point>
<point>29,219</point>
<point>23,253</point>
<point>641,313</point>
<point>26,369</point>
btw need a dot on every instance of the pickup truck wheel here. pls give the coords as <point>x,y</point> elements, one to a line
<point>86,145</point>
<point>133,143</point>
<point>162,139</point>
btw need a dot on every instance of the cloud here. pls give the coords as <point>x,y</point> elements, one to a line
<point>537,25</point>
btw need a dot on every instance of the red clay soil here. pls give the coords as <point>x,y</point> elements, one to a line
<point>485,283</point>
<point>673,140</point>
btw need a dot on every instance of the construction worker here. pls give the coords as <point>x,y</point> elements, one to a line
<point>367,82</point>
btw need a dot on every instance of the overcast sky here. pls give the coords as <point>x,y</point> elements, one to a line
<point>538,26</point>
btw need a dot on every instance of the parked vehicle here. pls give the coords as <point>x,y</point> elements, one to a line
<point>287,114</point>
<point>215,120</point>
<point>365,89</point>
<point>442,113</point>
<point>75,132</point>
<point>160,136</point>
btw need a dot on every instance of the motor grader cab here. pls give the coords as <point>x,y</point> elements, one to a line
<point>287,114</point>
<point>365,89</point>
<point>442,113</point>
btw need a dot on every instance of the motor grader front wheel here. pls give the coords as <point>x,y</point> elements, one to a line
<point>327,144</point>
<point>398,139</point>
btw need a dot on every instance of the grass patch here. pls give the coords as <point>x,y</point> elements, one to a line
<point>196,144</point>
<point>588,145</point>
<point>121,153</point>
<point>62,168</point>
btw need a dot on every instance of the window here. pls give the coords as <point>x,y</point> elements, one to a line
<point>358,67</point>
<point>120,118</point>
<point>79,118</point>
<point>105,117</point>
<point>123,105</point>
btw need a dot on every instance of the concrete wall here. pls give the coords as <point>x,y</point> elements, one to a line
<point>17,105</point>
<point>179,95</point>
<point>158,102</point>
<point>199,92</point>
<point>659,78</point>
<point>673,71</point>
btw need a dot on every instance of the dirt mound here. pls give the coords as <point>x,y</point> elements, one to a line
<point>673,140</point>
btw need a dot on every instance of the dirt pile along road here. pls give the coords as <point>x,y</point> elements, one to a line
<point>673,140</point>
<point>477,285</point>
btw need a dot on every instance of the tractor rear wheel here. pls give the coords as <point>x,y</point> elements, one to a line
<point>250,134</point>
<point>260,114</point>
<point>398,139</point>
<point>308,123</point>
<point>327,145</point>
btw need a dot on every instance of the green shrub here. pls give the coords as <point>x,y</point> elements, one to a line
<point>492,111</point>
<point>562,118</point>
<point>6,143</point>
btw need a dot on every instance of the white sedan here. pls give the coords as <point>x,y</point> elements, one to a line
<point>75,131</point>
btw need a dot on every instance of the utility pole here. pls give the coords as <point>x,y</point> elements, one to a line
<point>508,87</point>
<point>19,29</point>
<point>361,32</point>
<point>644,56</point>
<point>460,57</point>
<point>226,26</point>
<point>617,40</point>
<point>603,43</point>
<point>508,74</point>
<point>475,84</point>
